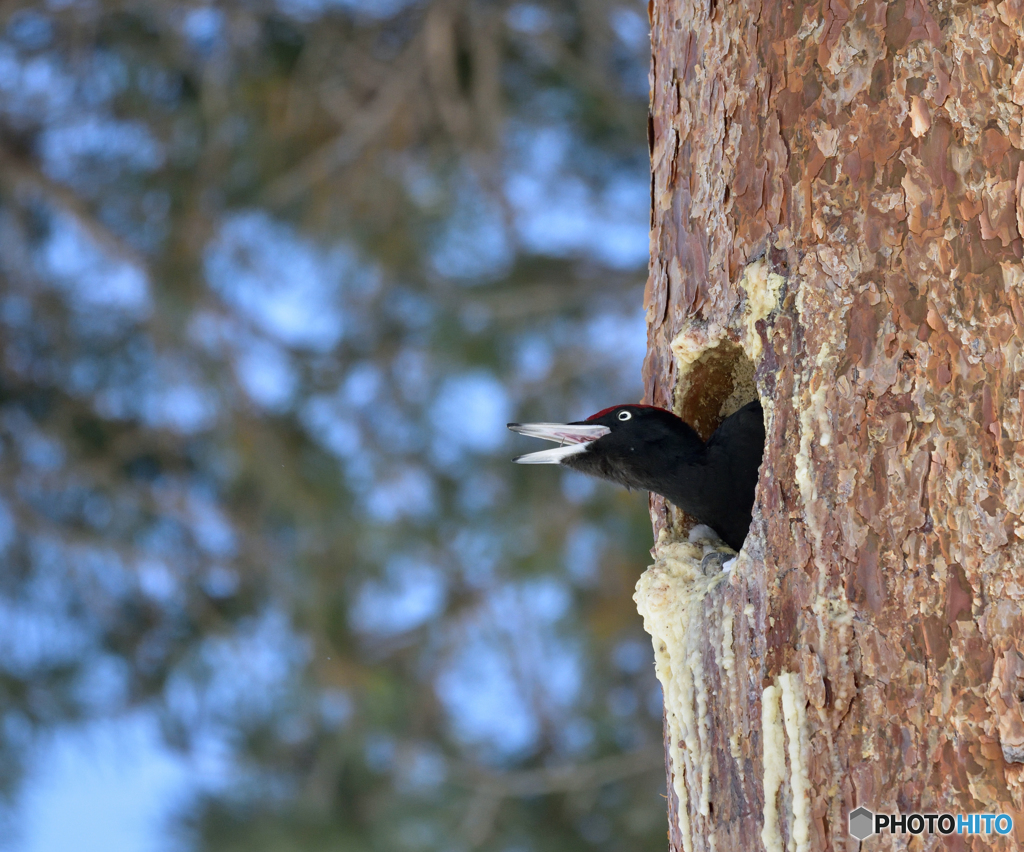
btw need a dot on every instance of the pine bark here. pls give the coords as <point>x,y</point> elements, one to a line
<point>837,211</point>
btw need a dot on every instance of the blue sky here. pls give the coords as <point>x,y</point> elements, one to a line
<point>108,786</point>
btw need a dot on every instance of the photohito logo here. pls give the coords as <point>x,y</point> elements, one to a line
<point>864,823</point>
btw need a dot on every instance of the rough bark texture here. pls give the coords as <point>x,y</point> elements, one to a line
<point>837,210</point>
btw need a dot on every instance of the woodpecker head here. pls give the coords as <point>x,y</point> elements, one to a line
<point>651,449</point>
<point>629,444</point>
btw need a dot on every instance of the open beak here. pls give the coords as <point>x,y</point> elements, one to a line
<point>573,438</point>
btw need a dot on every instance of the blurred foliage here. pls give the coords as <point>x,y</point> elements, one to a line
<point>274,277</point>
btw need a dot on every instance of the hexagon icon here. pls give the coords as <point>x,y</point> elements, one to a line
<point>862,823</point>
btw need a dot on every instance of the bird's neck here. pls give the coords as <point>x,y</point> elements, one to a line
<point>683,480</point>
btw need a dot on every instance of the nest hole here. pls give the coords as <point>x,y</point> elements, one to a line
<point>718,383</point>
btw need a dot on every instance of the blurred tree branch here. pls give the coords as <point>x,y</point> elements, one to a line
<point>490,790</point>
<point>362,128</point>
<point>19,176</point>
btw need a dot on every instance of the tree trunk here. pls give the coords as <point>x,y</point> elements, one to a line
<point>837,209</point>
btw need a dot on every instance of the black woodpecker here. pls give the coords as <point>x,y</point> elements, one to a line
<point>649,448</point>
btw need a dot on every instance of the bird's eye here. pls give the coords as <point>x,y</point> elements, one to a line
<point>625,415</point>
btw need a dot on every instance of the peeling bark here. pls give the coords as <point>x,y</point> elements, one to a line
<point>837,211</point>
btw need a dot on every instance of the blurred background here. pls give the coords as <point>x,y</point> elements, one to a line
<point>274,275</point>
